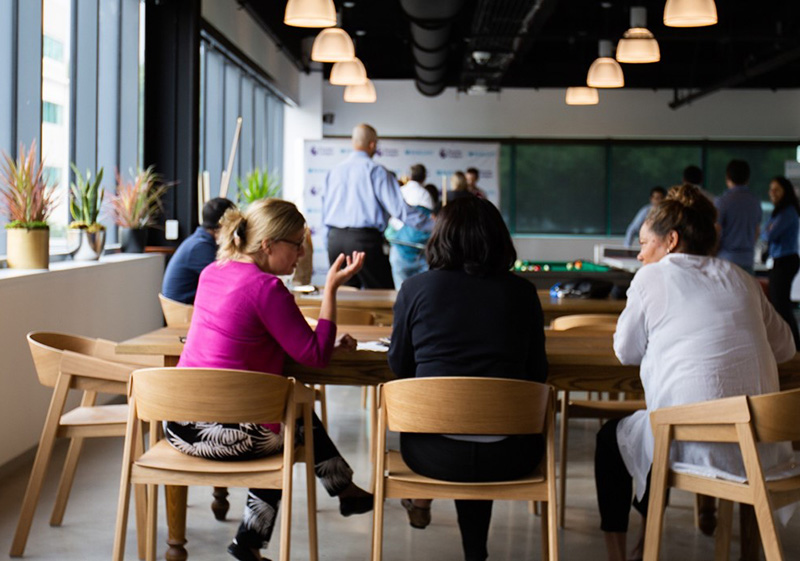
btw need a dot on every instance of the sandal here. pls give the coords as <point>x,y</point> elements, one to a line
<point>419,517</point>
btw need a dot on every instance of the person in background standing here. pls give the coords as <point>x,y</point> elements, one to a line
<point>739,217</point>
<point>406,259</point>
<point>657,195</point>
<point>357,199</point>
<point>693,175</point>
<point>781,234</point>
<point>472,176</point>
<point>194,254</point>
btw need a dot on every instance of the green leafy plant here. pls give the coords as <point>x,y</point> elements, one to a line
<point>137,203</point>
<point>26,198</point>
<point>258,185</point>
<point>86,199</point>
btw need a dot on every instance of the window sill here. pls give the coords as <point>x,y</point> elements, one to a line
<point>68,264</point>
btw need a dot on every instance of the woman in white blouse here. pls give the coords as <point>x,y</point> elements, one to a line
<point>701,329</point>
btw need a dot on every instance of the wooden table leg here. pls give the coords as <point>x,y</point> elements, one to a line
<point>176,522</point>
<point>706,513</point>
<point>220,506</point>
<point>750,538</point>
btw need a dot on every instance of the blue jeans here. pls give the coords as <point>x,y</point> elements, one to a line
<point>403,268</point>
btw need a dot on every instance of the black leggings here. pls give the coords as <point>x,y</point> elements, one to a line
<point>439,457</point>
<point>614,483</point>
<point>780,289</point>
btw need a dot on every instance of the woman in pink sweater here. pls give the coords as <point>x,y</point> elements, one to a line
<point>245,318</point>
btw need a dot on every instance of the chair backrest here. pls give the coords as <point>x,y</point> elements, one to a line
<point>177,314</point>
<point>209,395</point>
<point>593,322</point>
<point>466,405</point>
<point>47,347</point>
<point>776,416</point>
<point>344,316</point>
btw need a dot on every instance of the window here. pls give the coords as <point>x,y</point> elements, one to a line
<point>52,49</point>
<point>52,113</point>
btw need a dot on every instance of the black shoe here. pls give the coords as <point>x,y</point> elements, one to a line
<point>244,553</point>
<point>356,505</point>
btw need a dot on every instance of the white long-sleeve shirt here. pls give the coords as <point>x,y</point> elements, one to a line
<point>702,329</point>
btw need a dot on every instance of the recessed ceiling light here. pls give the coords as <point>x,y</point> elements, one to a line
<point>360,32</point>
<point>349,4</point>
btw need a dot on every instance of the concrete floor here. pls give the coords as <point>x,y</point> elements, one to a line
<point>87,532</point>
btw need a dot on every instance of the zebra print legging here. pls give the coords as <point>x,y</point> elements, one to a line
<point>232,442</point>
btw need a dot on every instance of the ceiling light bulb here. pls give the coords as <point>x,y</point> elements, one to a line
<point>333,45</point>
<point>637,44</point>
<point>365,93</point>
<point>690,13</point>
<point>310,13</point>
<point>605,72</point>
<point>582,95</point>
<point>348,73</point>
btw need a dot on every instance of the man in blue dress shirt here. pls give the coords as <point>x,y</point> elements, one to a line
<point>739,217</point>
<point>657,195</point>
<point>358,198</point>
<point>194,254</point>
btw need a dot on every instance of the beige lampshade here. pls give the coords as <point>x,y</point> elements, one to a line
<point>690,13</point>
<point>638,46</point>
<point>365,93</point>
<point>348,73</point>
<point>333,45</point>
<point>581,95</point>
<point>310,13</point>
<point>605,72</point>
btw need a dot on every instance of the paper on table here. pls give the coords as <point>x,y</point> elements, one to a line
<point>375,346</point>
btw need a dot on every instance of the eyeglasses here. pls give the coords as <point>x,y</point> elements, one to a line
<point>297,245</point>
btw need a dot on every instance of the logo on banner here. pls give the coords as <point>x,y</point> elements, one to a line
<point>481,153</point>
<point>314,191</point>
<point>317,170</point>
<point>386,152</point>
<point>419,152</point>
<point>450,153</point>
<point>321,151</point>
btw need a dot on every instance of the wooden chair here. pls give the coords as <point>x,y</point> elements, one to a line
<point>344,316</point>
<point>456,405</point>
<point>70,362</point>
<point>585,409</point>
<point>213,395</point>
<point>742,420</point>
<point>177,314</point>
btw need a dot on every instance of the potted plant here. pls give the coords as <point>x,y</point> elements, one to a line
<point>257,185</point>
<point>137,205</point>
<point>86,236</point>
<point>28,202</point>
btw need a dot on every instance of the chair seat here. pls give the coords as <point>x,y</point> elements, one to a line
<point>96,415</point>
<point>163,456</point>
<point>399,470</point>
<point>604,409</point>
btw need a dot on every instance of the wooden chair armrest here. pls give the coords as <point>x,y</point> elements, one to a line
<point>302,393</point>
<point>727,411</point>
<point>91,367</point>
<point>107,350</point>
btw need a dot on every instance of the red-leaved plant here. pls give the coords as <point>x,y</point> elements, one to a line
<point>26,199</point>
<point>137,203</point>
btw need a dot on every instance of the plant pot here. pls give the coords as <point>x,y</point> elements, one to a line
<point>84,245</point>
<point>133,240</point>
<point>28,249</point>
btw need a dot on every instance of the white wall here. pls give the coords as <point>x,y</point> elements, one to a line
<point>730,114</point>
<point>241,30</point>
<point>300,123</point>
<point>114,300</point>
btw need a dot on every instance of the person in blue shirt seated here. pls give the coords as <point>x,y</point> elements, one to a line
<point>657,195</point>
<point>781,235</point>
<point>194,254</point>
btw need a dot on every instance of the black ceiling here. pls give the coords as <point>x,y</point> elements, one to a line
<point>551,43</point>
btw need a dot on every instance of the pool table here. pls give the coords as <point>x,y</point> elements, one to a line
<point>544,274</point>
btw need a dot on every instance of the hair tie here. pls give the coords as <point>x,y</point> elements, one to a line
<point>241,231</point>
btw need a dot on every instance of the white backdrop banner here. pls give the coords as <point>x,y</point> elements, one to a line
<point>441,159</point>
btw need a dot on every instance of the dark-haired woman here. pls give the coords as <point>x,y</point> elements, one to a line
<point>781,235</point>
<point>468,316</point>
<point>701,329</point>
<point>245,319</point>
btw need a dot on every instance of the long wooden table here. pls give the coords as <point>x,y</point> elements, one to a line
<point>380,302</point>
<point>578,362</point>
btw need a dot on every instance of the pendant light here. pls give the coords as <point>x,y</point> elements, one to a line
<point>333,45</point>
<point>690,13</point>
<point>638,45</point>
<point>605,72</point>
<point>365,93</point>
<point>348,73</point>
<point>581,95</point>
<point>310,13</point>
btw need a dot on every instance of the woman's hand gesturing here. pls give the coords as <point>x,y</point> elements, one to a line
<point>338,275</point>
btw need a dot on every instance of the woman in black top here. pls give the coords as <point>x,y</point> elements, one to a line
<point>468,316</point>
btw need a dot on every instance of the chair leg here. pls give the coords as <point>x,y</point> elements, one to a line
<point>562,460</point>
<point>140,500</point>
<point>311,498</point>
<point>658,491</point>
<point>151,525</point>
<point>377,524</point>
<point>43,454</point>
<point>773,551</point>
<point>124,491</point>
<point>323,406</point>
<point>722,536</point>
<point>363,397</point>
<point>67,478</point>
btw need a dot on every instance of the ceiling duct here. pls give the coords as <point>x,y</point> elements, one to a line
<point>431,23</point>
